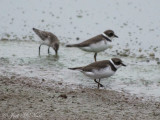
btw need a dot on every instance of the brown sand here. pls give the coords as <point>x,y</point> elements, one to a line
<point>23,98</point>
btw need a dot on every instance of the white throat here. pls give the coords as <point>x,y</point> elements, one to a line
<point>104,35</point>
<point>110,38</point>
<point>116,66</point>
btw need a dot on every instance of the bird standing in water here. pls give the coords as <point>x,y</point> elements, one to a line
<point>48,39</point>
<point>96,44</point>
<point>101,69</point>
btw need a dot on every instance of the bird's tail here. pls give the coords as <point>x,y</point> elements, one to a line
<point>73,45</point>
<point>76,68</point>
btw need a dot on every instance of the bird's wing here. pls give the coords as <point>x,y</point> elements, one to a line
<point>96,66</point>
<point>46,35</point>
<point>95,39</point>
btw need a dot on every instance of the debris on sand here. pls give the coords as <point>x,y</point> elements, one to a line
<point>64,96</point>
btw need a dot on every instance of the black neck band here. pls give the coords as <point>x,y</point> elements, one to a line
<point>106,38</point>
<point>113,67</point>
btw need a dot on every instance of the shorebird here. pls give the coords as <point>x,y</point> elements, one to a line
<point>101,69</point>
<point>96,44</point>
<point>48,39</point>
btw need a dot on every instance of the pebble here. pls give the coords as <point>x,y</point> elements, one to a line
<point>77,38</point>
<point>158,63</point>
<point>151,54</point>
<point>63,96</point>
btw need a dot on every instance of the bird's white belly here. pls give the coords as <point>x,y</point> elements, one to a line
<point>96,47</point>
<point>102,73</point>
<point>46,42</point>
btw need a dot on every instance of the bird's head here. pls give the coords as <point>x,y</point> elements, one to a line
<point>110,34</point>
<point>117,62</point>
<point>55,46</point>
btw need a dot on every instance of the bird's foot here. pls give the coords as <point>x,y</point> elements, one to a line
<point>101,85</point>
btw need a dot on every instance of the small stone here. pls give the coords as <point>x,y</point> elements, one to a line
<point>41,100</point>
<point>63,96</point>
<point>157,59</point>
<point>152,54</point>
<point>147,60</point>
<point>79,16</point>
<point>51,109</point>
<point>4,39</point>
<point>77,38</point>
<point>83,91</point>
<point>73,96</point>
<point>60,83</point>
<point>141,56</point>
<point>158,62</point>
<point>140,50</point>
<point>13,77</point>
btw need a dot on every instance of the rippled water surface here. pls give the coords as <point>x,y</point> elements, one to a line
<point>21,57</point>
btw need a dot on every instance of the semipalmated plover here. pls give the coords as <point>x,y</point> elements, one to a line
<point>101,69</point>
<point>97,43</point>
<point>48,39</point>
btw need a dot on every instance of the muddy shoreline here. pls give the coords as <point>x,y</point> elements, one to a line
<point>32,98</point>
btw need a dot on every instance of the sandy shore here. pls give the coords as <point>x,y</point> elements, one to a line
<point>34,99</point>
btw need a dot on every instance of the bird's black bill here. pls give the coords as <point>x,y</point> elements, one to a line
<point>115,36</point>
<point>123,64</point>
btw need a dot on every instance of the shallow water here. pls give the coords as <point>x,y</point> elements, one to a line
<point>21,57</point>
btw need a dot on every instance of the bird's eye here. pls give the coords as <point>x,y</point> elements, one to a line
<point>110,34</point>
<point>118,63</point>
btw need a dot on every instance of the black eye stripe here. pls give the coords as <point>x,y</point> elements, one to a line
<point>118,63</point>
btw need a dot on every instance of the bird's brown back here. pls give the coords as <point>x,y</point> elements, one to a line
<point>96,65</point>
<point>95,39</point>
